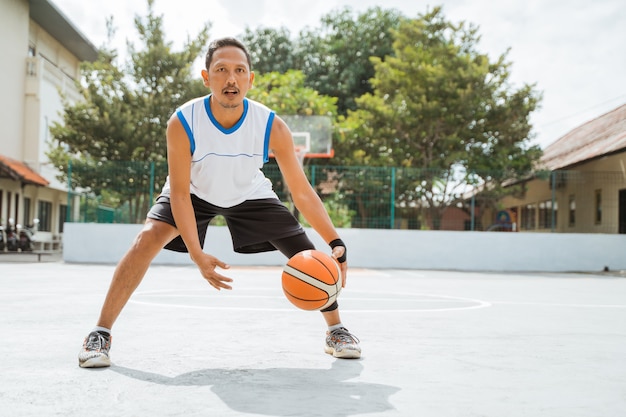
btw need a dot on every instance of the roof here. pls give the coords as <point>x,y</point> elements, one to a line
<point>602,136</point>
<point>61,28</point>
<point>19,171</point>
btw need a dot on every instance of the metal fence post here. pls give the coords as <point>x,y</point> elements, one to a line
<point>68,215</point>
<point>392,217</point>
<point>553,211</point>
<point>473,212</point>
<point>151,182</point>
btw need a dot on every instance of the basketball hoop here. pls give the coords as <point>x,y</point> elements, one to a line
<point>312,136</point>
<point>301,152</point>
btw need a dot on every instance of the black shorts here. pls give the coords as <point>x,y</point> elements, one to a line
<point>253,224</point>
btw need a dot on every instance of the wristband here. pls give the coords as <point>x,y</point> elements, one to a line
<point>339,242</point>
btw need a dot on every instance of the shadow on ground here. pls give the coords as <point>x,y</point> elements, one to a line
<point>284,391</point>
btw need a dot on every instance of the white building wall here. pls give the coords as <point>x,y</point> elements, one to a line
<point>35,71</point>
<point>14,47</point>
<point>55,72</point>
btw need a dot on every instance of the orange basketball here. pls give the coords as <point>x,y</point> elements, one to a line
<point>311,280</point>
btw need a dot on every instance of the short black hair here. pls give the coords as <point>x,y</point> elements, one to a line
<point>221,43</point>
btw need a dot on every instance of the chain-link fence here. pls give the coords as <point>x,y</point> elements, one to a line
<point>388,197</point>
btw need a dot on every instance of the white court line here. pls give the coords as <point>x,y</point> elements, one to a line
<point>209,307</point>
<point>343,310</point>
<point>560,304</point>
<point>277,297</point>
<point>446,298</point>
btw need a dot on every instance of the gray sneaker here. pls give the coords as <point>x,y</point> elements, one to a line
<point>342,344</point>
<point>95,351</point>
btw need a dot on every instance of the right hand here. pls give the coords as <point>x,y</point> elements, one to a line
<point>207,264</point>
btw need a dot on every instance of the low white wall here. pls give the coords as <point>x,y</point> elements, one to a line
<point>371,248</point>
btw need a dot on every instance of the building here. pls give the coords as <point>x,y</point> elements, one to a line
<point>42,51</point>
<point>582,187</point>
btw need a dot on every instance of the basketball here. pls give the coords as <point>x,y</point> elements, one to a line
<point>311,280</point>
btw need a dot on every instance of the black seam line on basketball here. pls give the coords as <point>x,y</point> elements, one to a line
<point>321,262</point>
<point>303,277</point>
<point>306,300</point>
<point>337,268</point>
<point>326,301</point>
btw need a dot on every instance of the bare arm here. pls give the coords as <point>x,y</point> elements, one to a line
<point>179,166</point>
<point>304,196</point>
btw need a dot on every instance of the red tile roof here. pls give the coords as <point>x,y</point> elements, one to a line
<point>19,171</point>
<point>601,136</point>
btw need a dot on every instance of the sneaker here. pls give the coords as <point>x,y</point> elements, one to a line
<point>95,352</point>
<point>342,344</point>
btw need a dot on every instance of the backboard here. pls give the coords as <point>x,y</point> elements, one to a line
<point>312,135</point>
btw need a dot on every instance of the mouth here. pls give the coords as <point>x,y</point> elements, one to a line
<point>230,91</point>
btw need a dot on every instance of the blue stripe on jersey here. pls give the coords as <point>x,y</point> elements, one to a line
<point>266,144</point>
<point>183,121</point>
<point>207,106</point>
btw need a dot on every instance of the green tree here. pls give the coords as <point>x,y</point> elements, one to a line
<point>336,56</point>
<point>441,106</point>
<point>271,50</point>
<point>288,94</point>
<point>123,115</point>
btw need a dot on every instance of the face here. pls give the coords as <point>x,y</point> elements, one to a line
<point>229,77</point>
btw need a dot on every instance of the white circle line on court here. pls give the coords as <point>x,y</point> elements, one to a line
<point>476,303</point>
<point>522,303</point>
<point>277,297</point>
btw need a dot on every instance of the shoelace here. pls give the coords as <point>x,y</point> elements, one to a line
<point>344,336</point>
<point>96,342</point>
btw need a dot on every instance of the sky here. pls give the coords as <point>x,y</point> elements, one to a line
<point>573,51</point>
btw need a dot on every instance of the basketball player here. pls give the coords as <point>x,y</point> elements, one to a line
<point>216,146</point>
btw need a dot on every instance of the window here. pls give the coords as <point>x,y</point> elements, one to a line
<point>9,213</point>
<point>26,213</point>
<point>62,216</point>
<point>545,214</point>
<point>544,217</point>
<point>17,208</point>
<point>31,63</point>
<point>555,213</point>
<point>598,207</point>
<point>572,210</point>
<point>529,217</point>
<point>45,216</point>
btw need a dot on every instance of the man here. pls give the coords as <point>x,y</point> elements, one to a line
<point>216,146</point>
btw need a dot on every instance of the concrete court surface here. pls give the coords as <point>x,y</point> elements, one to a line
<point>435,343</point>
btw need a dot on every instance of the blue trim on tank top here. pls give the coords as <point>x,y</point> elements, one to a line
<point>266,143</point>
<point>207,106</point>
<point>183,121</point>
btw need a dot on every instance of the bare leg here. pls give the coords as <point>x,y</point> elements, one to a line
<point>340,342</point>
<point>332,317</point>
<point>133,266</point>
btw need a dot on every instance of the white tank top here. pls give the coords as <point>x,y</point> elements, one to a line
<point>226,163</point>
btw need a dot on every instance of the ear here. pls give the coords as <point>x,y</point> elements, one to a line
<point>205,77</point>
<point>251,82</point>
